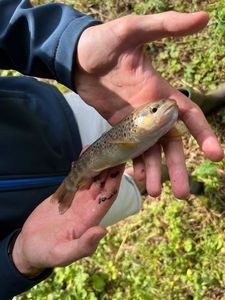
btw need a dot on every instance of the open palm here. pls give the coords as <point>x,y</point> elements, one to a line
<point>115,76</point>
<point>49,239</point>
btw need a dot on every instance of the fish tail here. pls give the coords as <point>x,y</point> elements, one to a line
<point>63,197</point>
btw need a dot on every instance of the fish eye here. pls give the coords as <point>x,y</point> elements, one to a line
<point>154,109</point>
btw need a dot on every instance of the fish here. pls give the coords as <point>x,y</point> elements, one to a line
<point>128,139</point>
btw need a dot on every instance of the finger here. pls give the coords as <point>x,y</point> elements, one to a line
<point>152,159</point>
<point>88,242</point>
<point>198,126</point>
<point>171,23</point>
<point>99,183</point>
<point>100,198</point>
<point>200,129</point>
<point>173,149</point>
<point>69,252</point>
<point>139,168</point>
<point>111,188</point>
<point>106,180</point>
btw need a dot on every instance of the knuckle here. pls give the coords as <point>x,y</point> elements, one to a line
<point>125,25</point>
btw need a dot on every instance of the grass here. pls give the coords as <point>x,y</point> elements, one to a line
<point>172,249</point>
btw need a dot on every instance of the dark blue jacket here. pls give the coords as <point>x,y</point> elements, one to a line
<point>38,134</point>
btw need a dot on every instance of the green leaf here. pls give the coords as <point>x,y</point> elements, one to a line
<point>188,245</point>
<point>98,282</point>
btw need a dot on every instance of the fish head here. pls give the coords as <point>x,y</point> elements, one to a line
<point>156,117</point>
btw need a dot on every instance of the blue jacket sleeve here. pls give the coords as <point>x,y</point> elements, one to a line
<point>11,281</point>
<point>37,41</point>
<point>40,41</point>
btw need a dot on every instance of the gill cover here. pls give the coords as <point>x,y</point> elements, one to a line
<point>145,119</point>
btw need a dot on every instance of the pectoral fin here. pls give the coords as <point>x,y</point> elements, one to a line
<point>181,128</point>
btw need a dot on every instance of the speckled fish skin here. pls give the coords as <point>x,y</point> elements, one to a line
<point>128,139</point>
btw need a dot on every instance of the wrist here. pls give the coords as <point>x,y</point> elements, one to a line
<point>19,261</point>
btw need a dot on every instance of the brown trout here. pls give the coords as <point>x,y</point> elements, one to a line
<point>131,137</point>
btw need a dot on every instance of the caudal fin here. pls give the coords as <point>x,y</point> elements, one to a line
<point>63,197</point>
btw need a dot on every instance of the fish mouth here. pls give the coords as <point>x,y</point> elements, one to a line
<point>172,104</point>
<point>170,113</point>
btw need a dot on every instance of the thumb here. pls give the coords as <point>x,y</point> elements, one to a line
<point>86,244</point>
<point>152,27</point>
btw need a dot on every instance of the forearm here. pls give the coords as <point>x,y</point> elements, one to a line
<point>40,41</point>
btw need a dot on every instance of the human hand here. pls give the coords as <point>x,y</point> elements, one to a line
<point>114,76</point>
<point>49,239</point>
